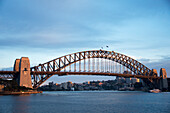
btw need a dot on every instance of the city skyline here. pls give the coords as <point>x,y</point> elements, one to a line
<point>49,29</point>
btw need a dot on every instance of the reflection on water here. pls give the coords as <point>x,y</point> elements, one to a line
<point>14,104</point>
<point>87,102</point>
<point>21,105</point>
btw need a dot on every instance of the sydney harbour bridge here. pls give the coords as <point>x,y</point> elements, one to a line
<point>93,62</point>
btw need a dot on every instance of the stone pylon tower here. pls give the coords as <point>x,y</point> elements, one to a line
<point>16,68</point>
<point>163,80</point>
<point>155,81</point>
<point>23,78</point>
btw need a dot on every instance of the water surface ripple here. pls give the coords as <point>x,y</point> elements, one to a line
<point>87,102</point>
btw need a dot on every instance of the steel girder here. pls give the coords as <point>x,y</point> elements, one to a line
<point>56,65</point>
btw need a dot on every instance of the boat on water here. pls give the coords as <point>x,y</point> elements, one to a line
<point>155,91</point>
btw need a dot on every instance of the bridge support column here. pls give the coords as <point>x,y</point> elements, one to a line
<point>16,68</point>
<point>163,83</point>
<point>154,72</point>
<point>16,65</point>
<point>24,77</point>
<point>155,81</point>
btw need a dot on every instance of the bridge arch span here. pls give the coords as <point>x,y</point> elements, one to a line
<point>58,64</point>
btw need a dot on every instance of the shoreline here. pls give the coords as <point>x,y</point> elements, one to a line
<point>19,93</point>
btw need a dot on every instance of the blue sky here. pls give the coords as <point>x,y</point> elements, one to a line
<point>46,29</point>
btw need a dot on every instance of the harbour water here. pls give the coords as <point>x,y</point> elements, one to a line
<point>87,102</point>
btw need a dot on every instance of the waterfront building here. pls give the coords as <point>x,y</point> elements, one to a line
<point>51,83</point>
<point>56,87</point>
<point>137,80</point>
<point>80,88</point>
<point>100,83</point>
<point>69,84</point>
<point>128,81</point>
<point>1,87</point>
<point>133,80</point>
<point>120,80</point>
<point>87,83</point>
<point>64,85</point>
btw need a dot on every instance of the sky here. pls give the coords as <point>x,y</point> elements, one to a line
<point>46,29</point>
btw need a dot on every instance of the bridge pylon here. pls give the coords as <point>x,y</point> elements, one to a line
<point>155,81</point>
<point>154,73</point>
<point>22,66</point>
<point>163,83</point>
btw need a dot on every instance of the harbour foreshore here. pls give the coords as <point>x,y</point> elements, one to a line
<point>19,93</point>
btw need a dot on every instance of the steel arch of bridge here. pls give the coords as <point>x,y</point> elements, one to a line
<point>42,72</point>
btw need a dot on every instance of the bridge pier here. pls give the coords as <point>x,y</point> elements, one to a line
<point>16,68</point>
<point>154,72</point>
<point>155,81</point>
<point>163,83</point>
<point>23,78</point>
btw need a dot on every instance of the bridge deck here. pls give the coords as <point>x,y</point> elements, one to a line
<point>92,73</point>
<point>5,73</point>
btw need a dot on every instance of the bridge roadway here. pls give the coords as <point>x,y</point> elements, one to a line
<point>9,74</point>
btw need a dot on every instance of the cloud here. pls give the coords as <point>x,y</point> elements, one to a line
<point>144,60</point>
<point>163,63</point>
<point>166,58</point>
<point>52,42</point>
